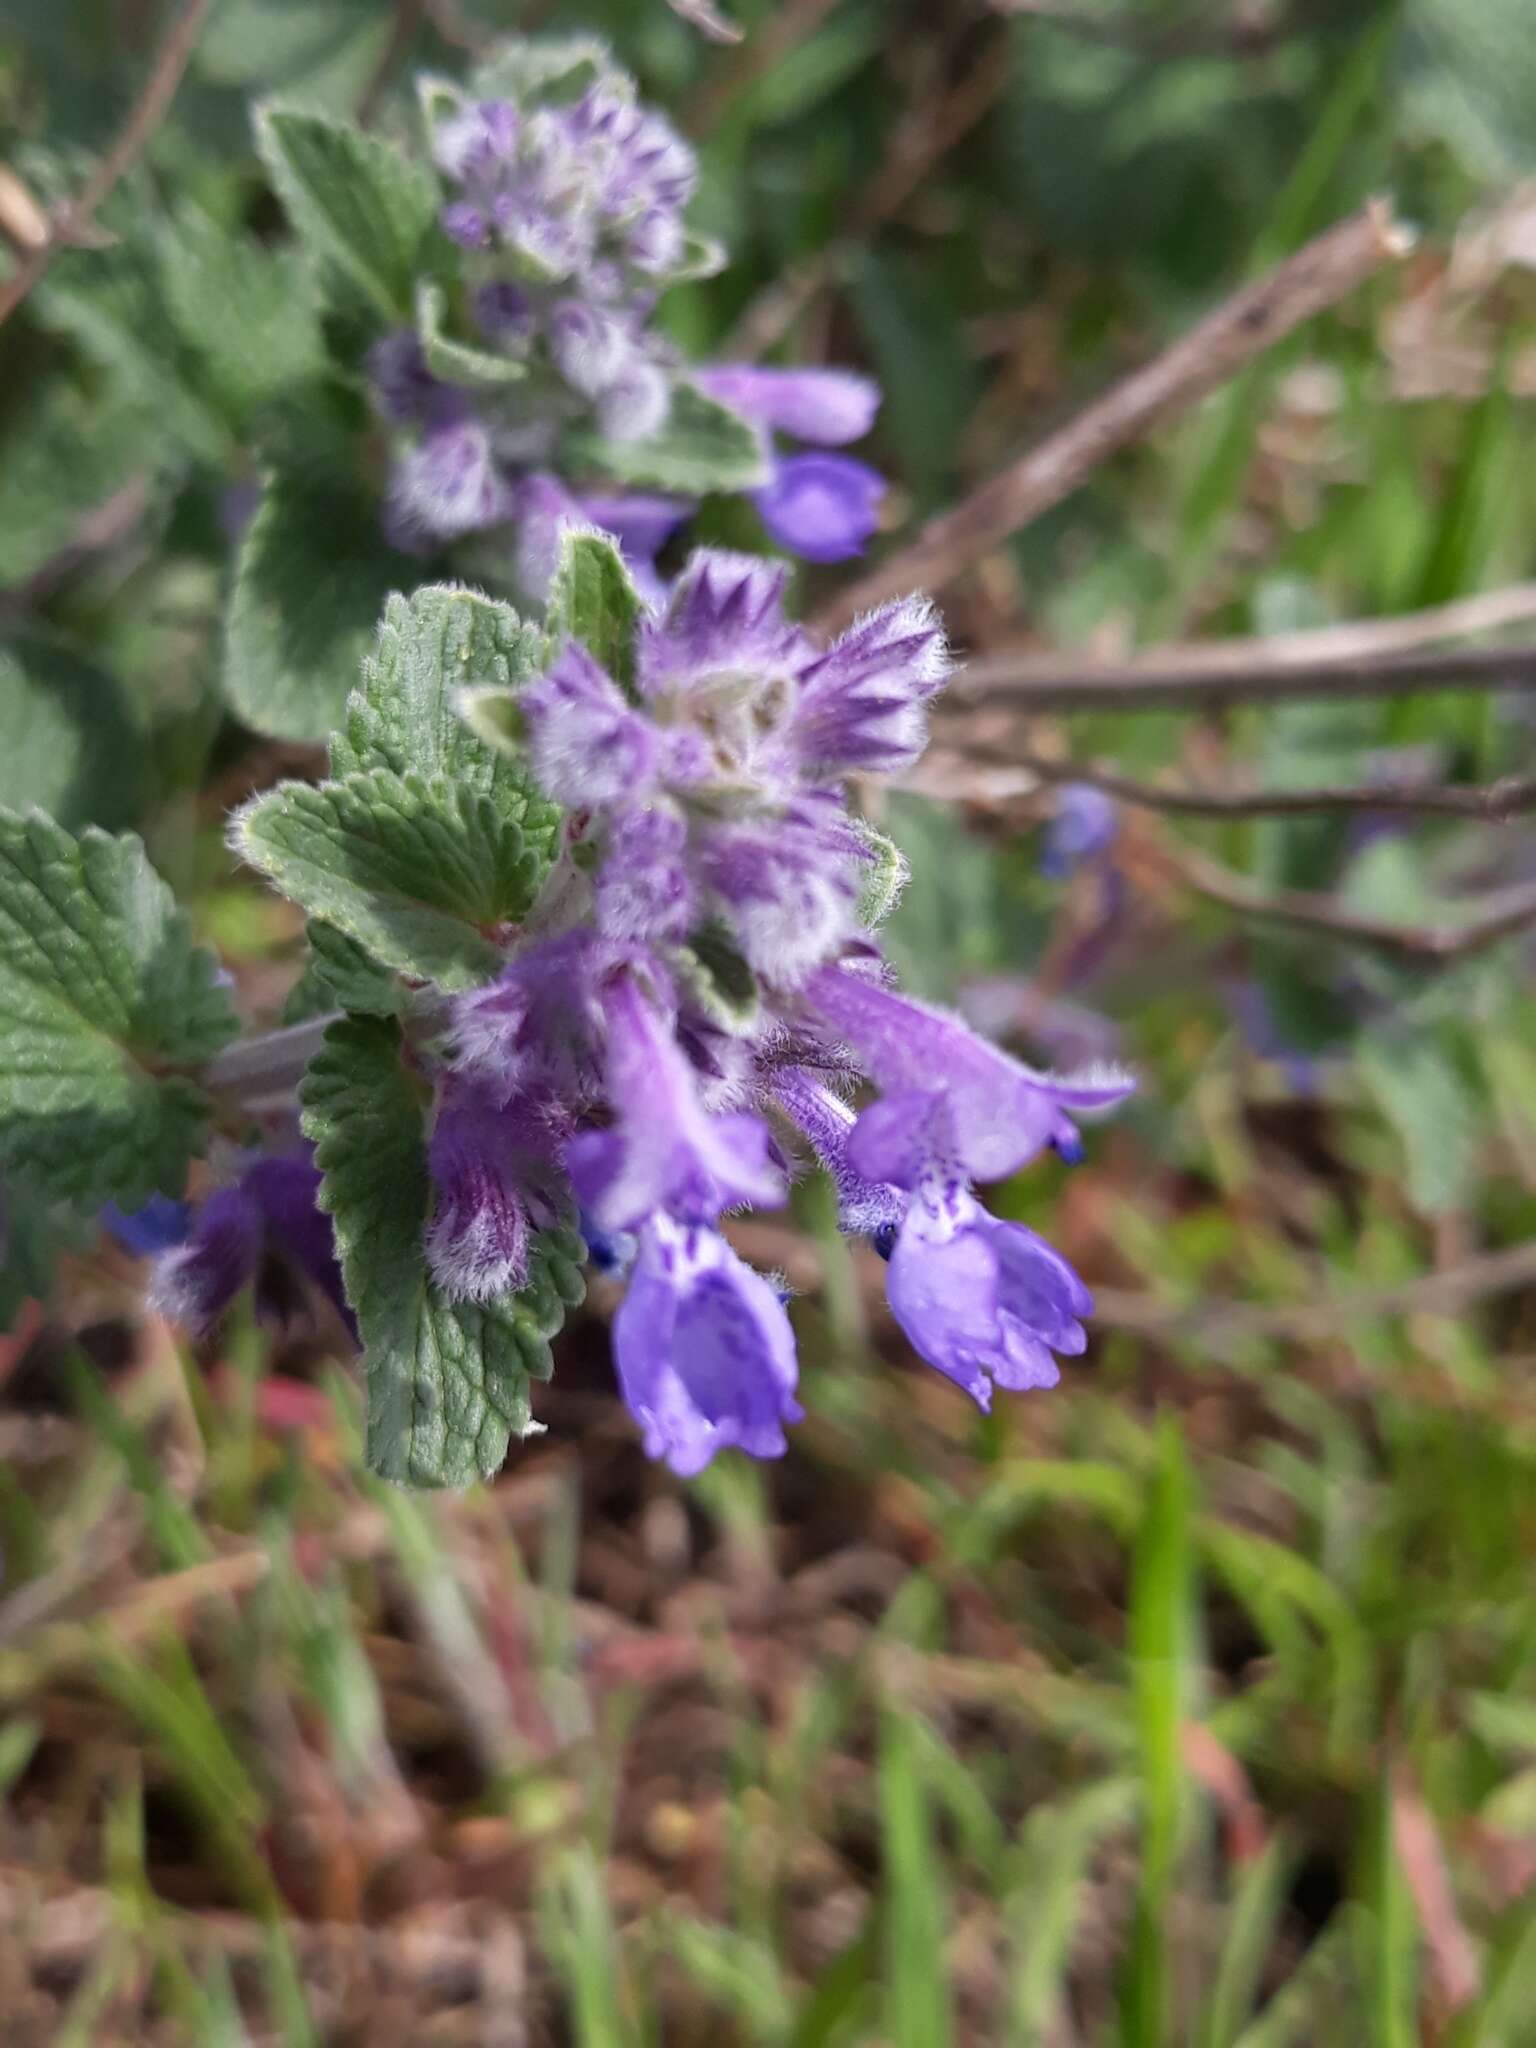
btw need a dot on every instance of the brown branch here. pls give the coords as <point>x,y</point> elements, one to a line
<point>1251,321</point>
<point>922,136</point>
<point>708,20</point>
<point>1482,922</point>
<point>144,117</point>
<point>1493,802</point>
<point>1447,1293</point>
<point>407,19</point>
<point>1161,682</point>
<point>1308,658</point>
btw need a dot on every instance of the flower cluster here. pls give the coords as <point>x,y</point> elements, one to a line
<point>697,996</point>
<point>569,220</point>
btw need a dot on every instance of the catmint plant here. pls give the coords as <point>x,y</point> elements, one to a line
<point>593,931</point>
<point>491,279</point>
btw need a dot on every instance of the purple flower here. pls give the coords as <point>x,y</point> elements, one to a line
<point>587,746</point>
<point>704,1351</point>
<point>477,1242</point>
<point>984,1301</point>
<point>827,407</point>
<point>642,522</point>
<point>449,484</point>
<point>403,387</point>
<point>824,507</point>
<point>865,1208</point>
<point>645,890</point>
<point>1083,825</point>
<point>862,703</point>
<point>160,1224</point>
<point>285,1187</point>
<point>724,625</point>
<point>197,1280</point>
<point>788,887</point>
<point>272,1209</point>
<point>664,1150</point>
<point>1000,1112</point>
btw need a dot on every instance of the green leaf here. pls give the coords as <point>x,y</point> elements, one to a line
<point>62,455</point>
<point>312,576</point>
<point>112,303</point>
<point>418,869</point>
<point>548,68</point>
<point>883,880</point>
<point>592,599</point>
<point>340,975</point>
<point>405,712</point>
<point>251,314</point>
<point>1423,1094</point>
<point>68,742</point>
<point>355,201</point>
<point>458,362</point>
<point>719,979</point>
<point>704,446</point>
<point>448,1385</point>
<point>103,997</point>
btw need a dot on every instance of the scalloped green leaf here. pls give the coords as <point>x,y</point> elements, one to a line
<point>355,201</point>
<point>107,1008</point>
<point>704,446</point>
<point>421,871</point>
<point>592,599</point>
<point>448,1383</point>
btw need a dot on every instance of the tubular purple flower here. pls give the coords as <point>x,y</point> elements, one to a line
<point>827,407</point>
<point>286,1190</point>
<point>664,1151</point>
<point>788,890</point>
<point>1083,825</point>
<point>644,890</point>
<point>725,620</point>
<point>449,484</point>
<point>986,1302</point>
<point>197,1280</point>
<point>862,703</point>
<point>824,507</point>
<point>586,745</point>
<point>477,1242</point>
<point>704,1351</point>
<point>865,1208</point>
<point>1001,1112</point>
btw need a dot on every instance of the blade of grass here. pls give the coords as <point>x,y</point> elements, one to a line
<point>1257,1906</point>
<point>1161,1607</point>
<point>916,1972</point>
<point>1046,1902</point>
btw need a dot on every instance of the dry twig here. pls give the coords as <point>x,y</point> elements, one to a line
<point>1170,680</point>
<point>1251,321</point>
<point>144,117</point>
<point>1492,803</point>
<point>1480,923</point>
<point>922,136</point>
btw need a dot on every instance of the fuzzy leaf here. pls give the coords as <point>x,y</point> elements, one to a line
<point>458,362</point>
<point>355,201</point>
<point>546,68</point>
<point>416,868</point>
<point>448,1385</point>
<point>251,314</point>
<point>68,742</point>
<point>311,579</point>
<point>593,600</point>
<point>404,714</point>
<point>719,979</point>
<point>340,975</point>
<point>704,446</point>
<point>883,880</point>
<point>103,997</point>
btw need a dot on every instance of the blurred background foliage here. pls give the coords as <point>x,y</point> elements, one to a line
<point>1192,1704</point>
